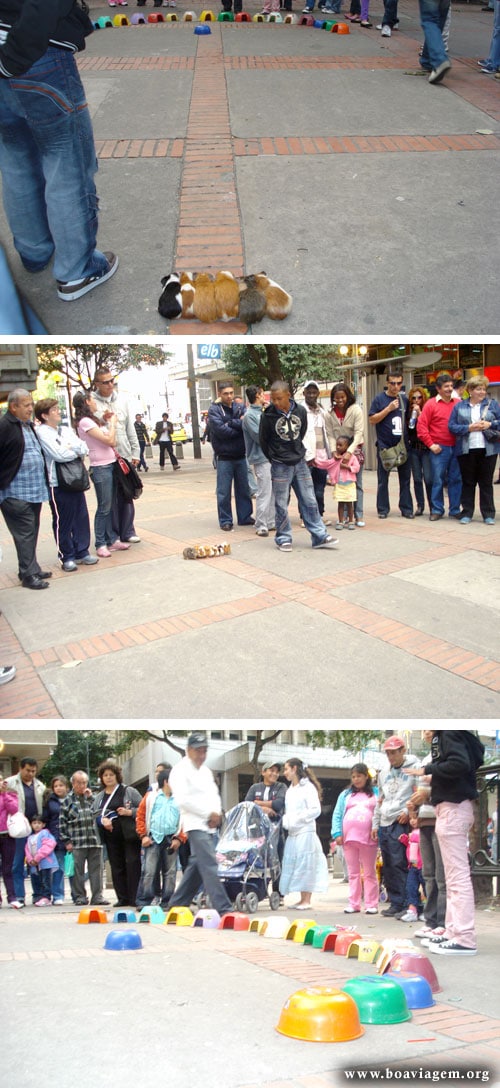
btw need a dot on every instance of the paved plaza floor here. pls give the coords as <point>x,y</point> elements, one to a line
<point>321,158</point>
<point>400,622</point>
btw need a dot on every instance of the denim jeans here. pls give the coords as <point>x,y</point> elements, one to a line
<point>18,872</point>
<point>414,882</point>
<point>157,860</point>
<point>421,472</point>
<point>445,466</point>
<point>433,15</point>
<point>395,864</point>
<point>48,163</point>
<point>298,476</point>
<point>227,472</point>
<point>358,505</point>
<point>103,481</point>
<point>494,53</point>
<point>264,505</point>
<point>390,16</point>
<point>405,499</point>
<point>58,874</point>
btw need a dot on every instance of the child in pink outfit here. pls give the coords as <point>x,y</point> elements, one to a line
<point>414,880</point>
<point>352,829</point>
<point>39,854</point>
<point>342,470</point>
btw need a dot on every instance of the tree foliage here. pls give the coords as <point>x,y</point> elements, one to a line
<point>353,740</point>
<point>262,737</point>
<point>77,751</point>
<point>263,364</point>
<point>78,362</point>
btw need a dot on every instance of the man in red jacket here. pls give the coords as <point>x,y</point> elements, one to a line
<point>432,428</point>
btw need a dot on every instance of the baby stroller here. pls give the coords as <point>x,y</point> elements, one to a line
<point>247,856</point>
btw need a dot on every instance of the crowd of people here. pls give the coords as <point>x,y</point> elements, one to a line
<point>420,829</point>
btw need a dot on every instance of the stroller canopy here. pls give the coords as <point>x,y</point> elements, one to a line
<point>248,835</point>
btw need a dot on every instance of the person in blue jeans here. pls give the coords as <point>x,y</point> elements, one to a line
<point>47,153</point>
<point>388,415</point>
<point>282,429</point>
<point>228,443</point>
<point>491,63</point>
<point>434,58</point>
<point>433,430</point>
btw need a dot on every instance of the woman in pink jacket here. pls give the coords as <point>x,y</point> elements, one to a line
<point>8,805</point>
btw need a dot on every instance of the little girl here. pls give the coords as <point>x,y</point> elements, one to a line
<point>352,829</point>
<point>342,470</point>
<point>39,854</point>
<point>414,880</point>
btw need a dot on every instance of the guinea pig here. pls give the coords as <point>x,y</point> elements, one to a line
<point>227,296</point>
<point>169,303</point>
<point>252,301</point>
<point>187,294</point>
<point>204,307</point>
<point>278,301</point>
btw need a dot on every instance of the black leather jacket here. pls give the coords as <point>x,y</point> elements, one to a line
<point>33,25</point>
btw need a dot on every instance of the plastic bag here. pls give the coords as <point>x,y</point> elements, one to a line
<point>69,865</point>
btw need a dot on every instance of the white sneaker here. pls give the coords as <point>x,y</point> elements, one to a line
<point>16,904</point>
<point>386,32</point>
<point>42,903</point>
<point>262,532</point>
<point>409,916</point>
<point>328,542</point>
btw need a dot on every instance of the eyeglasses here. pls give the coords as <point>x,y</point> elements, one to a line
<point>394,381</point>
<point>105,381</point>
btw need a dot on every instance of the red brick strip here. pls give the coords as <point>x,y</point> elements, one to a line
<point>25,696</point>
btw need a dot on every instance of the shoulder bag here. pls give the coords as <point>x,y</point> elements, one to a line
<point>72,475</point>
<point>18,826</point>
<point>397,455</point>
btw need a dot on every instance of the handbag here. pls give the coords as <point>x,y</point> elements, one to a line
<point>72,475</point>
<point>395,456</point>
<point>127,478</point>
<point>18,826</point>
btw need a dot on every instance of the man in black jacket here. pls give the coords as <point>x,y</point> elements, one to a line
<point>270,796</point>
<point>228,444</point>
<point>282,429</point>
<point>47,153</point>
<point>23,485</point>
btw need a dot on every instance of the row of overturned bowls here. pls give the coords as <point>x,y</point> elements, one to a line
<point>138,19</point>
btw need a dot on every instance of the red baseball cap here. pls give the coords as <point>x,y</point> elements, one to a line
<point>392,743</point>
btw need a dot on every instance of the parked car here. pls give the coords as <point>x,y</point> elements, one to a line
<point>179,434</point>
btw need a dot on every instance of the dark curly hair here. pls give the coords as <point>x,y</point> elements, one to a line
<point>341,387</point>
<point>108,765</point>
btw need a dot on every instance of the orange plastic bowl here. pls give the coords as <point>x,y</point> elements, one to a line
<point>320,1015</point>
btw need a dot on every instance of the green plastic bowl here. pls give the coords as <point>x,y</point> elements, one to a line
<point>380,1000</point>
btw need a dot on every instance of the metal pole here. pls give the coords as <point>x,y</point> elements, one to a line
<point>193,401</point>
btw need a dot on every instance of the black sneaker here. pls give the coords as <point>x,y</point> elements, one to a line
<point>391,912</point>
<point>74,289</point>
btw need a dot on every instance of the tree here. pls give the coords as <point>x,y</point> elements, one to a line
<point>263,364</point>
<point>261,739</point>
<point>77,751</point>
<point>353,740</point>
<point>78,362</point>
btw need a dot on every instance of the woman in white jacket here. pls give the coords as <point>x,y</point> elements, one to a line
<point>304,864</point>
<point>70,516</point>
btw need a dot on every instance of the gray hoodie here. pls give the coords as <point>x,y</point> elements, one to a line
<point>127,442</point>
<point>395,790</point>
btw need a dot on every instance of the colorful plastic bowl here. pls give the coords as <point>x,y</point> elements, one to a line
<point>417,989</point>
<point>122,940</point>
<point>207,919</point>
<point>320,1015</point>
<point>276,928</point>
<point>366,950</point>
<point>380,1000</point>
<point>415,963</point>
<point>344,942</point>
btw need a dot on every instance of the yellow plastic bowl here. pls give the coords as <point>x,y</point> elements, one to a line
<point>320,1015</point>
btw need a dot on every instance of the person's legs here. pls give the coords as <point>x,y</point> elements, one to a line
<point>454,483</point>
<point>281,476</point>
<point>78,890</point>
<point>468,468</point>
<point>485,471</point>
<point>223,492</point>
<point>189,885</point>
<point>150,866</point>
<point>405,499</point>
<point>429,874</point>
<point>23,186</point>
<point>23,522</point>
<point>123,513</point>
<point>243,501</point>
<point>383,504</point>
<point>7,854</point>
<point>352,857</point>
<point>358,508</point>
<point>170,449</point>
<point>116,857</point>
<point>433,14</point>
<point>94,864</point>
<point>412,888</point>
<point>439,468</point>
<point>417,473</point>
<point>308,505</point>
<point>58,875</point>
<point>64,506</point>
<point>453,824</point>
<point>142,463</point>
<point>395,865</point>
<point>132,854</point>
<point>103,480</point>
<point>264,507</point>
<point>163,447</point>
<point>202,848</point>
<point>319,477</point>
<point>168,871</point>
<point>368,857</point>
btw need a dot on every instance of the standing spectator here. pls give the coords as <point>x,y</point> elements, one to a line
<point>476,425</point>
<point>414,880</point>
<point>30,794</point>
<point>434,58</point>
<point>164,430</point>
<point>351,830</point>
<point>388,415</point>
<point>78,831</point>
<point>47,155</point>
<point>343,478</point>
<point>316,443</point>
<point>141,826</point>
<point>264,506</point>
<point>346,417</point>
<point>158,830</point>
<point>40,857</point>
<point>100,441</point>
<point>143,440</point>
<point>115,808</point>
<point>225,420</point>
<point>419,454</point>
<point>491,63</point>
<point>432,428</point>
<point>282,430</point>
<point>51,812</point>
<point>304,864</point>
<point>198,799</point>
<point>23,485</point>
<point>456,756</point>
<point>111,403</point>
<point>70,517</point>
<point>390,819</point>
<point>8,805</point>
<point>432,862</point>
<point>269,795</point>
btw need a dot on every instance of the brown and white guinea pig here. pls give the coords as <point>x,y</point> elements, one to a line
<point>187,294</point>
<point>227,296</point>
<point>252,300</point>
<point>278,301</point>
<point>169,303</point>
<point>204,307</point>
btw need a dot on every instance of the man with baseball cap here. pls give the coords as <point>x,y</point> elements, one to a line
<point>197,797</point>
<point>269,795</point>
<point>390,819</point>
<point>316,442</point>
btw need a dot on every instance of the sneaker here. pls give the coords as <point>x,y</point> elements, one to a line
<point>328,542</point>
<point>286,547</point>
<point>100,902</point>
<point>262,532</point>
<point>42,902</point>
<point>395,27</point>
<point>437,73</point>
<point>133,540</point>
<point>488,69</point>
<point>390,912</point>
<point>451,948</point>
<point>16,904</point>
<point>7,672</point>
<point>464,521</point>
<point>371,910</point>
<point>386,31</point>
<point>81,902</point>
<point>88,561</point>
<point>429,942</point>
<point>69,565</point>
<point>360,524</point>
<point>103,552</point>
<point>176,468</point>
<point>489,521</point>
<point>119,546</point>
<point>57,902</point>
<point>74,289</point>
<point>409,916</point>
<point>425,931</point>
<point>351,910</point>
